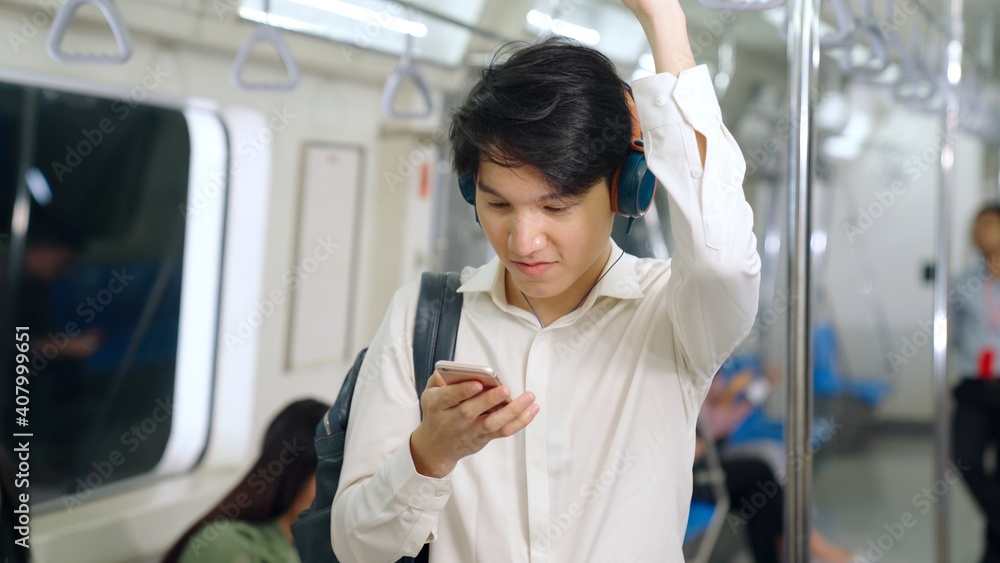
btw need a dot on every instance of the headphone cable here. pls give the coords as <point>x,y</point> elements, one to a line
<point>628,233</point>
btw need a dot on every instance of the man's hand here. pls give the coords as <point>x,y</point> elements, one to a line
<point>459,420</point>
<point>666,30</point>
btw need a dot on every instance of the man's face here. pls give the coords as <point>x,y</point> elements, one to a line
<point>547,243</point>
<point>986,233</point>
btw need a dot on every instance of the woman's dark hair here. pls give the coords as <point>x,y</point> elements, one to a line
<point>991,207</point>
<point>556,105</point>
<point>292,431</point>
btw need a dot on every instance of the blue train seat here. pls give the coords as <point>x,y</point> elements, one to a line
<point>829,380</point>
<point>698,519</point>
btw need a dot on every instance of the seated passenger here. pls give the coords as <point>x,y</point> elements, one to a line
<point>753,471</point>
<point>252,523</point>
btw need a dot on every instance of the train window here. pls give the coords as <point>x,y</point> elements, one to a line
<point>95,264</point>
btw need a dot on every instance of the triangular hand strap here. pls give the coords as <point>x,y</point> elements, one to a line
<point>266,33</point>
<point>65,17</point>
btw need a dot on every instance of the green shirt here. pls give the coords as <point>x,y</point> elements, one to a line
<point>236,541</point>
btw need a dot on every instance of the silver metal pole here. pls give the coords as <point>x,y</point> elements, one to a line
<point>22,209</point>
<point>803,60</point>
<point>942,266</point>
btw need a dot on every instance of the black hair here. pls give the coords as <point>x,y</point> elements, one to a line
<point>991,207</point>
<point>293,427</point>
<point>555,105</point>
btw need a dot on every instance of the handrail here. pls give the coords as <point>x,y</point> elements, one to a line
<point>978,118</point>
<point>726,67</point>
<point>845,26</point>
<point>717,480</point>
<point>915,84</point>
<point>878,60</point>
<point>742,6</point>
<point>264,32</point>
<point>868,28</point>
<point>987,31</point>
<point>980,115</point>
<point>64,17</point>
<point>407,68</point>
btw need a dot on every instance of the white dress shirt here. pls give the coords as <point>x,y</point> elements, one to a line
<point>603,473</point>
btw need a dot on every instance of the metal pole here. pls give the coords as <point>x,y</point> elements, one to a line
<point>997,149</point>
<point>942,266</point>
<point>18,241</point>
<point>803,60</point>
<point>21,215</point>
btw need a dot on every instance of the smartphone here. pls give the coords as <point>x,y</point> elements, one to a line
<point>454,372</point>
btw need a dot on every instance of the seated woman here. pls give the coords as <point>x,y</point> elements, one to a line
<point>252,523</point>
<point>753,472</point>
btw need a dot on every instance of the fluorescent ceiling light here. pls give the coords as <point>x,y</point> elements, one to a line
<point>366,15</point>
<point>283,22</point>
<point>564,28</point>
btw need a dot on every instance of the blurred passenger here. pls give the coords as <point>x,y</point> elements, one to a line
<point>757,468</point>
<point>58,349</point>
<point>252,522</point>
<point>49,253</point>
<point>975,305</point>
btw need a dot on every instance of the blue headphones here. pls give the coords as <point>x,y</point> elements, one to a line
<point>632,186</point>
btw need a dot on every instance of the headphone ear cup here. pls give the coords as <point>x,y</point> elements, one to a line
<point>467,185</point>
<point>634,188</point>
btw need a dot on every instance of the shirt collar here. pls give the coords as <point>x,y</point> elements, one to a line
<point>621,281</point>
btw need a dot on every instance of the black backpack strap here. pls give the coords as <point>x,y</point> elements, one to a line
<point>435,330</point>
<point>439,310</point>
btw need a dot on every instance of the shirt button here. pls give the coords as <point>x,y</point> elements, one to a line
<point>696,172</point>
<point>661,100</point>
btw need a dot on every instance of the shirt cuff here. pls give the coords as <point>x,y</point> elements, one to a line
<point>664,99</point>
<point>414,489</point>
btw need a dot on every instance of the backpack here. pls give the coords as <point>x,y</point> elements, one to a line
<point>436,327</point>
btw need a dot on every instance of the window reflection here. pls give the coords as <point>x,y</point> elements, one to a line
<point>96,276</point>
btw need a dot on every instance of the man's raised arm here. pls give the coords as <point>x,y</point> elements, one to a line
<point>714,283</point>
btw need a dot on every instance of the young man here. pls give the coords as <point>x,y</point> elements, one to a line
<point>605,358</point>
<point>975,306</point>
